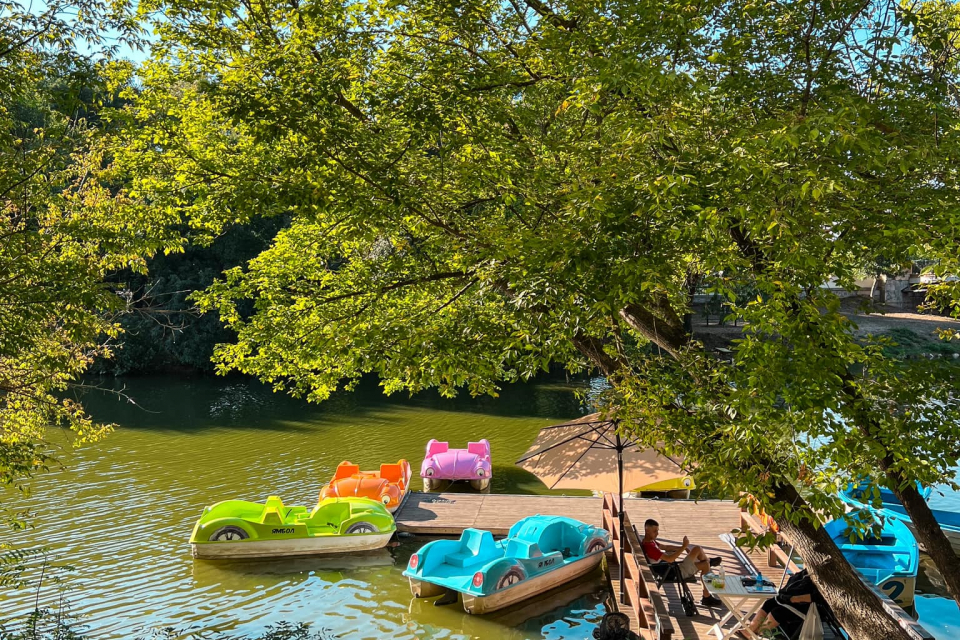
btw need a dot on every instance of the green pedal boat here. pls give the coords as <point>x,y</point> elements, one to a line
<point>240,529</point>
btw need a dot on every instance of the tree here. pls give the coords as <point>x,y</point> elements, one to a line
<point>479,189</point>
<point>61,232</point>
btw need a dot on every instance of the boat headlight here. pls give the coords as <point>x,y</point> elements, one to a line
<point>414,561</point>
<point>480,472</point>
<point>385,499</point>
<point>478,579</point>
<point>429,471</point>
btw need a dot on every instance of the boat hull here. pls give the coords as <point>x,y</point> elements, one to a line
<point>291,546</point>
<point>900,589</point>
<point>522,591</point>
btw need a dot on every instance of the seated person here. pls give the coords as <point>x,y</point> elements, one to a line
<point>798,592</point>
<point>695,560</point>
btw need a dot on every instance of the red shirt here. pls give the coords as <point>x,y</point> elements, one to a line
<point>652,549</point>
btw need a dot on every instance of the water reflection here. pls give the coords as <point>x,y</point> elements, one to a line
<point>122,511</point>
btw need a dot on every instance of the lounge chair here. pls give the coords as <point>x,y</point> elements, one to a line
<point>671,574</point>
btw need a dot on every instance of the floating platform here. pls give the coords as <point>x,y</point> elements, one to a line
<point>448,514</point>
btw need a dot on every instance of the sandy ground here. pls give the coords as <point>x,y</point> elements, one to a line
<point>878,322</point>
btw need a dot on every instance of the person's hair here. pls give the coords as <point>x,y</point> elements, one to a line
<point>651,523</point>
<point>614,626</point>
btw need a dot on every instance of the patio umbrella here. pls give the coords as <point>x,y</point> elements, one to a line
<point>589,453</point>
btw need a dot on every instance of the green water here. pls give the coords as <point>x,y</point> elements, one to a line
<point>122,510</point>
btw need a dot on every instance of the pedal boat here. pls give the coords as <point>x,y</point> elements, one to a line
<point>541,553</point>
<point>443,463</point>
<point>890,560</point>
<point>240,529</point>
<point>389,486</point>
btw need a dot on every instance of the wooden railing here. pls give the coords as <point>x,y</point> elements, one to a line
<point>776,556</point>
<point>639,589</point>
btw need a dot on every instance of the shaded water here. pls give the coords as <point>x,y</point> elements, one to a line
<point>122,511</point>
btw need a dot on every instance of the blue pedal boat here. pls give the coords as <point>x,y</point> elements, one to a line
<point>890,560</point>
<point>861,496</point>
<point>540,553</point>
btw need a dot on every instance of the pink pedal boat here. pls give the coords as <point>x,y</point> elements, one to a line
<point>444,463</point>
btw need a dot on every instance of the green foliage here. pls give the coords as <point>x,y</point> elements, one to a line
<point>13,564</point>
<point>61,228</point>
<point>281,631</point>
<point>480,189</point>
<point>61,624</point>
<point>163,329</point>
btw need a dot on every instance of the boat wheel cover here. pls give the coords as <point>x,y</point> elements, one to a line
<point>229,533</point>
<point>513,576</point>
<point>363,527</point>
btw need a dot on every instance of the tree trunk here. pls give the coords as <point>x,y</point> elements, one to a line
<point>857,608</point>
<point>928,530</point>
<point>882,282</point>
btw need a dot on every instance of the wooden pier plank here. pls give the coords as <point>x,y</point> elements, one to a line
<point>451,513</point>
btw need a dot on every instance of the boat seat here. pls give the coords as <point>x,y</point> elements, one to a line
<point>346,469</point>
<point>391,472</point>
<point>271,515</point>
<point>434,447</point>
<point>523,549</point>
<point>477,448</point>
<point>476,547</point>
<point>272,511</point>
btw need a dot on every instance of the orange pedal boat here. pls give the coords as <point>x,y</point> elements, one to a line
<point>390,485</point>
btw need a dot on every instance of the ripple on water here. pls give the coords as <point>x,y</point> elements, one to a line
<point>122,511</point>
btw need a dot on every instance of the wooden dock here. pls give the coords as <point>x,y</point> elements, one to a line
<point>656,614</point>
<point>445,514</point>
<point>703,522</point>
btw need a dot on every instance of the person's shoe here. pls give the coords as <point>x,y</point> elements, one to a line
<point>710,601</point>
<point>716,562</point>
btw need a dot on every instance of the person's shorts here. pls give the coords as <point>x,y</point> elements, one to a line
<point>687,566</point>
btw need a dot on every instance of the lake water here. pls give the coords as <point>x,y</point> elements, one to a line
<point>122,512</point>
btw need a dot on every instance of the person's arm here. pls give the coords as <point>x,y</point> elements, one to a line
<point>672,552</point>
<point>787,599</point>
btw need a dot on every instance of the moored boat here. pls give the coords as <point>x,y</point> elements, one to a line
<point>860,496</point>
<point>541,553</point>
<point>889,559</point>
<point>389,485</point>
<point>241,529</point>
<point>443,463</point>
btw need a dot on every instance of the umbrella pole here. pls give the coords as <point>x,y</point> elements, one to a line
<point>623,580</point>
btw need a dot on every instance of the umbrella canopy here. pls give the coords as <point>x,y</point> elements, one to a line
<point>582,454</point>
<point>590,454</point>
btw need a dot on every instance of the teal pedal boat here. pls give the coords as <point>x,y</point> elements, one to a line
<point>241,529</point>
<point>541,553</point>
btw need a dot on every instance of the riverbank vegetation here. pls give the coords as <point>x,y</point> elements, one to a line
<point>459,196</point>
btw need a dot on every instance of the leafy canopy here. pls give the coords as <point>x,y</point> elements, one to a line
<point>479,189</point>
<point>61,227</point>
